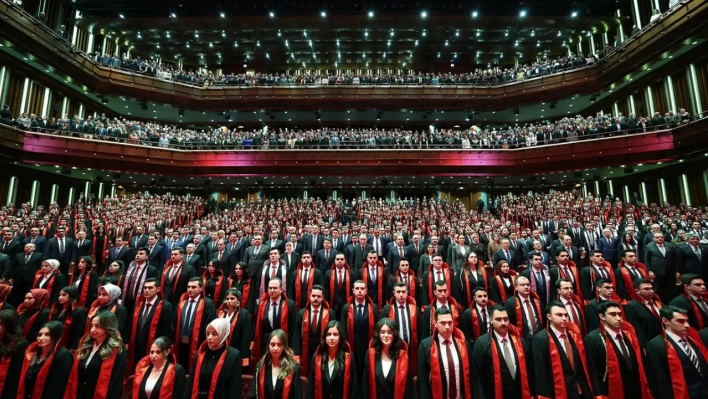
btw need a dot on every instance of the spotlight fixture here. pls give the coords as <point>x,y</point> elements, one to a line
<point>574,14</point>
<point>474,14</point>
<point>272,14</point>
<point>371,14</point>
<point>323,14</point>
<point>424,14</point>
<point>522,13</point>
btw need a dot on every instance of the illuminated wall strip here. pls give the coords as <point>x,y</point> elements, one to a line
<point>103,48</point>
<point>637,18</point>
<point>626,194</point>
<point>25,87</point>
<point>656,5</point>
<point>643,186</point>
<point>34,193</point>
<point>11,191</point>
<point>696,92</point>
<point>615,107</point>
<point>580,47</point>
<point>705,181</point>
<point>64,106</point>
<point>604,36</point>
<point>2,82</point>
<point>621,29</point>
<point>592,44</point>
<point>70,200</point>
<point>100,191</point>
<point>55,193</point>
<point>686,191</point>
<point>81,111</point>
<point>672,99</point>
<point>45,103</point>
<point>611,187</point>
<point>113,190</point>
<point>75,31</point>
<point>662,189</point>
<point>87,189</point>
<point>631,104</point>
<point>585,190</point>
<point>89,43</point>
<point>650,100</point>
<point>597,188</point>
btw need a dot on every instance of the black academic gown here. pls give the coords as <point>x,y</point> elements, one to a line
<point>37,323</point>
<point>659,376</point>
<point>164,328</point>
<point>331,387</point>
<point>277,391</point>
<point>241,333</point>
<point>386,386</point>
<point>228,385</point>
<point>483,372</point>
<point>424,359</point>
<point>543,375</point>
<point>88,376</point>
<point>57,376</point>
<point>596,354</point>
<point>646,324</point>
<point>177,389</point>
<point>14,369</point>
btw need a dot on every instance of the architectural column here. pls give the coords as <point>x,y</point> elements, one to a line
<point>70,200</point>
<point>626,194</point>
<point>643,187</point>
<point>662,190</point>
<point>611,189</point>
<point>34,194</point>
<point>670,91</point>
<point>11,191</point>
<point>87,190</point>
<point>55,194</point>
<point>23,101</point>
<point>597,188</point>
<point>335,195</point>
<point>363,194</point>
<point>2,85</point>
<point>698,107</point>
<point>685,191</point>
<point>100,191</point>
<point>650,101</point>
<point>305,194</point>
<point>393,195</point>
<point>635,12</point>
<point>585,190</point>
<point>113,190</point>
<point>631,104</point>
<point>621,28</point>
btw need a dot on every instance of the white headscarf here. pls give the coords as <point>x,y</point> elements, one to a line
<point>54,264</point>
<point>222,327</point>
<point>113,292</point>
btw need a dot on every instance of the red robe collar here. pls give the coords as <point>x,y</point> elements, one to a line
<point>519,312</point>
<point>454,309</point>
<point>333,282</point>
<point>610,273</point>
<point>260,380</point>
<point>85,283</point>
<point>317,371</point>
<point>154,322</point>
<point>697,311</point>
<point>431,280</point>
<point>198,369</point>
<point>350,319</point>
<point>64,341</point>
<point>627,278</point>
<point>411,282</point>
<point>195,327</point>
<point>298,283</point>
<point>480,270</point>
<point>613,376</point>
<point>573,269</point>
<point>556,364</point>
<point>436,374</point>
<point>41,378</point>
<point>515,339</point>
<point>262,307</point>
<point>500,284</point>
<point>304,358</point>
<point>414,316</point>
<point>379,281</point>
<point>402,370</point>
<point>678,382</point>
<point>219,284</point>
<point>168,380</point>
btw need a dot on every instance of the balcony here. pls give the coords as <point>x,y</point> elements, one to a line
<point>663,36</point>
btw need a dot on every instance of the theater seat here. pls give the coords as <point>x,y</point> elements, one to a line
<point>128,388</point>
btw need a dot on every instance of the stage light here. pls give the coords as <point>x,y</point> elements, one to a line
<point>522,13</point>
<point>323,14</point>
<point>121,15</point>
<point>272,14</point>
<point>371,14</point>
<point>474,14</point>
<point>424,14</point>
<point>222,15</point>
<point>574,14</point>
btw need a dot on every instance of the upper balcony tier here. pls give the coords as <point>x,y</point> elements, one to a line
<point>664,36</point>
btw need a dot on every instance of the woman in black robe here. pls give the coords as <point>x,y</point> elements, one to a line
<point>12,352</point>
<point>277,374</point>
<point>101,360</point>
<point>158,375</point>
<point>387,367</point>
<point>34,312</point>
<point>71,315</point>
<point>332,370</point>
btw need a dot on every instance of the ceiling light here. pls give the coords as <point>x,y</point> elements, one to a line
<point>371,14</point>
<point>522,13</point>
<point>272,14</point>
<point>323,14</point>
<point>424,14</point>
<point>121,15</point>
<point>173,15</point>
<point>474,14</point>
<point>222,15</point>
<point>574,14</point>
<point>506,33</point>
<point>477,33</point>
<point>366,34</point>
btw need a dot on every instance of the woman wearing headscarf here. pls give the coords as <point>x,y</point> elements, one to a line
<point>86,280</point>
<point>101,360</point>
<point>12,352</point>
<point>158,375</point>
<point>4,292</point>
<point>50,278</point>
<point>277,374</point>
<point>217,370</point>
<point>107,301</point>
<point>115,273</point>
<point>34,312</point>
<point>47,367</point>
<point>67,311</point>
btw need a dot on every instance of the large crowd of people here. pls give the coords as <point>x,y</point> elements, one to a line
<point>550,295</point>
<point>564,130</point>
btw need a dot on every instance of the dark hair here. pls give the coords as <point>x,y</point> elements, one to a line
<point>244,268</point>
<point>400,284</point>
<point>496,308</point>
<point>667,312</point>
<point>476,290</point>
<point>178,249</point>
<point>403,259</point>
<point>71,291</point>
<point>396,345</point>
<point>56,330</point>
<point>597,252</point>
<point>317,287</point>
<point>534,253</point>
<point>305,253</point>
<point>233,291</point>
<point>638,282</point>
<point>143,249</point>
<point>440,283</point>
<point>164,343</point>
<point>152,280</point>
<point>562,280</point>
<point>57,310</point>
<point>10,321</point>
<point>624,253</point>
<point>688,278</point>
<point>441,311</point>
<point>198,280</point>
<point>552,305</point>
<point>341,348</point>
<point>562,250</point>
<point>600,281</point>
<point>603,306</point>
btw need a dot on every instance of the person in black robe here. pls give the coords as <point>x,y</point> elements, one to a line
<point>363,313</point>
<point>643,312</point>
<point>332,369</point>
<point>614,356</point>
<point>151,318</point>
<point>240,320</point>
<point>309,326</point>
<point>277,360</point>
<point>12,352</point>
<point>50,278</point>
<point>215,354</point>
<point>34,312</point>
<point>71,315</point>
<point>158,374</point>
<point>46,362</point>
<point>102,345</point>
<point>387,368</point>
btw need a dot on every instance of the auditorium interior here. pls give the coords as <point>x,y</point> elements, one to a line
<point>510,113</point>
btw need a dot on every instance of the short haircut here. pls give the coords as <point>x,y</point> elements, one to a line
<point>603,306</point>
<point>496,308</point>
<point>440,283</point>
<point>441,311</point>
<point>667,312</point>
<point>143,249</point>
<point>198,280</point>
<point>317,287</point>
<point>400,284</point>
<point>152,280</point>
<point>688,278</point>
<point>478,289</point>
<point>600,281</point>
<point>624,253</point>
<point>552,305</point>
<point>638,282</point>
<point>534,254</point>
<point>596,252</point>
<point>305,253</point>
<point>562,280</point>
<point>359,282</point>
<point>180,249</point>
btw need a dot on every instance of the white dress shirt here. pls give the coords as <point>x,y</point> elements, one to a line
<point>455,361</point>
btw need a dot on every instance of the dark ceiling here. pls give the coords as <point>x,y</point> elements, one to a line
<point>237,36</point>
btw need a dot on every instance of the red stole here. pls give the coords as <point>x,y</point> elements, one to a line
<point>333,283</point>
<point>233,282</point>
<point>573,269</point>
<point>627,278</point>
<point>50,284</point>
<point>168,380</point>
<point>413,312</point>
<point>28,326</point>
<point>697,311</point>
<point>195,327</point>
<point>85,283</point>
<point>41,378</point>
<point>513,336</point>
<point>612,372</point>
<point>431,280</point>
<point>468,290</point>
<point>262,309</point>
<point>317,370</point>
<point>64,341</point>
<point>215,374</point>
<point>5,365</point>
<point>411,282</point>
<point>219,284</point>
<point>304,353</point>
<point>399,389</point>
<point>94,310</point>
<point>556,364</point>
<point>137,315</point>
<point>165,271</point>
<point>380,277</point>
<point>678,383</point>
<point>436,374</point>
<point>99,256</point>
<point>520,314</point>
<point>454,309</point>
<point>610,273</point>
<point>223,313</point>
<point>298,283</point>
<point>502,287</point>
<point>350,319</point>
<point>260,379</point>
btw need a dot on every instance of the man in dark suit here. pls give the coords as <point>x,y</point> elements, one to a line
<point>139,238</point>
<point>615,346</point>
<point>256,255</point>
<point>694,300</point>
<point>313,242</point>
<point>395,254</point>
<point>573,251</point>
<point>135,275</point>
<point>175,277</point>
<point>39,242</point>
<point>358,253</point>
<point>325,257</point>
<point>660,261</point>
<point>338,243</point>
<point>692,258</point>
<point>643,312</point>
<point>673,362</point>
<point>194,307</point>
<point>120,252</point>
<point>274,242</point>
<point>23,268</point>
<point>528,306</point>
<point>156,255</point>
<point>379,243</point>
<point>363,311</point>
<point>5,270</point>
<point>501,349</point>
<point>311,321</point>
<point>10,245</point>
<point>415,250</point>
<point>193,259</point>
<point>608,245</point>
<point>567,344</point>
<point>505,254</point>
<point>290,257</point>
<point>152,317</point>
<point>83,246</point>
<point>61,249</point>
<point>225,257</point>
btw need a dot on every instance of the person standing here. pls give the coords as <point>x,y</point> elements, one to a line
<point>158,375</point>
<point>12,352</point>
<point>152,318</point>
<point>358,318</point>
<point>643,312</point>
<point>333,373</point>
<point>387,368</point>
<point>277,373</point>
<point>193,314</point>
<point>101,360</point>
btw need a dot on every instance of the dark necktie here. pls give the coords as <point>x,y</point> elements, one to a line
<point>625,352</point>
<point>452,381</point>
<point>402,320</point>
<point>146,313</point>
<point>568,350</point>
<point>531,316</point>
